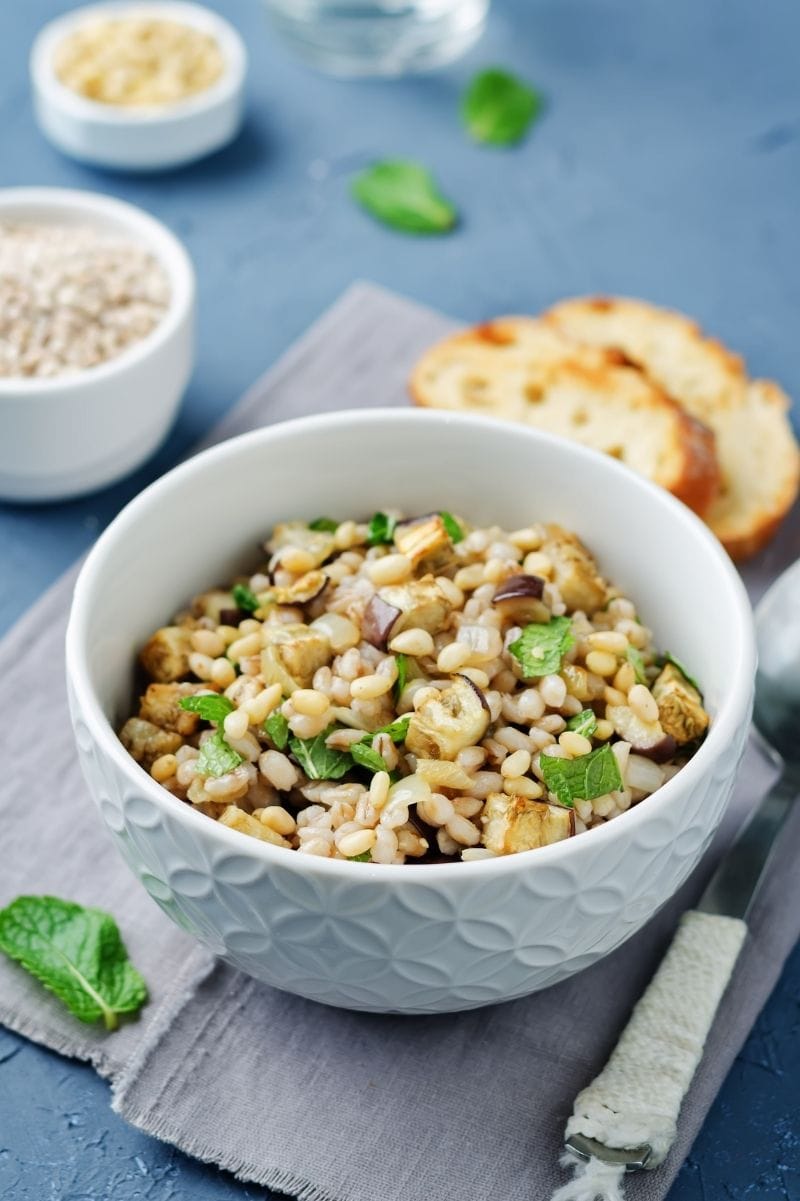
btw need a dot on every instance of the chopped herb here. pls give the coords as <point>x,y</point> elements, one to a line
<point>365,756</point>
<point>324,525</point>
<point>402,674</point>
<point>381,529</point>
<point>541,646</point>
<point>364,857</point>
<point>454,530</point>
<point>498,108</point>
<point>584,723</point>
<point>668,657</point>
<point>217,757</point>
<point>636,661</point>
<point>276,727</point>
<point>76,953</point>
<point>317,760</point>
<point>404,196</point>
<point>582,778</point>
<point>397,730</point>
<point>211,706</point>
<point>245,598</point>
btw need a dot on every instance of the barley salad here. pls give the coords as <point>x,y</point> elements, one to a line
<point>413,690</point>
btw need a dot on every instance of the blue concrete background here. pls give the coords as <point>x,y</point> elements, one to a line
<point>667,165</point>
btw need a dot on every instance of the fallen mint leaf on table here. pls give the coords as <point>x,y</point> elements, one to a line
<point>404,195</point>
<point>498,108</point>
<point>76,953</point>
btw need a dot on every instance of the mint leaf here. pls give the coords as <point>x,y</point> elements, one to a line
<point>636,661</point>
<point>584,723</point>
<point>404,196</point>
<point>381,529</point>
<point>402,674</point>
<point>397,730</point>
<point>217,757</point>
<point>364,857</point>
<point>583,778</point>
<point>454,530</point>
<point>276,727</point>
<point>325,525</point>
<point>317,760</point>
<point>364,755</point>
<point>76,953</point>
<point>668,657</point>
<point>498,108</point>
<point>245,598</point>
<point>211,706</point>
<point>541,646</point>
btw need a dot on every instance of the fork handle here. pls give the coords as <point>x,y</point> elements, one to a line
<point>636,1099</point>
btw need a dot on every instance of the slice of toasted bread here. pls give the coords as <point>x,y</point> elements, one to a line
<point>518,369</point>
<point>757,451</point>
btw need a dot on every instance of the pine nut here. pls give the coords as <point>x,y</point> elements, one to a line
<point>574,744</point>
<point>523,786</point>
<point>625,678</point>
<point>601,663</point>
<point>236,724</point>
<point>278,819</point>
<point>391,569</point>
<point>263,703</point>
<point>642,702</point>
<point>340,631</point>
<point>367,688</point>
<point>516,765</point>
<point>412,642</point>
<point>608,640</point>
<point>164,768</point>
<point>242,647</point>
<point>296,560</point>
<point>537,563</point>
<point>356,843</point>
<point>223,673</point>
<point>208,643</point>
<point>201,665</point>
<point>604,730</point>
<point>310,702</point>
<point>379,789</point>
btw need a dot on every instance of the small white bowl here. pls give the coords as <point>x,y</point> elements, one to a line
<point>139,139</point>
<point>71,434</point>
<point>411,938</point>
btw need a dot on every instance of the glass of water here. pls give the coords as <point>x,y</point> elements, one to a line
<point>378,37</point>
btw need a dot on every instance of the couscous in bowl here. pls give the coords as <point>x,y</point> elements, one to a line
<point>409,937</point>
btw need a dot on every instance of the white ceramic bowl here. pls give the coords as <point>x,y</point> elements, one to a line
<point>70,434</point>
<point>132,139</point>
<point>413,938</point>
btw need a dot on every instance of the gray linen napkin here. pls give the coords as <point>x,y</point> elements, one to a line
<point>328,1105</point>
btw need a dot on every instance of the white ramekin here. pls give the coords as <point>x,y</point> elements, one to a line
<point>413,938</point>
<point>132,139</point>
<point>74,433</point>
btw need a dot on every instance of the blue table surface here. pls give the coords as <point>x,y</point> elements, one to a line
<point>666,166</point>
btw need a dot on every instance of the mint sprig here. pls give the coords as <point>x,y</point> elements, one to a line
<point>76,953</point>
<point>582,778</point>
<point>498,108</point>
<point>404,196</point>
<point>541,646</point>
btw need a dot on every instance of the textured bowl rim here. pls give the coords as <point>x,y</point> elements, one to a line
<point>733,711</point>
<point>93,112</point>
<point>148,230</point>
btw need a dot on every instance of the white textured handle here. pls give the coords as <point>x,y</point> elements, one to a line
<point>637,1097</point>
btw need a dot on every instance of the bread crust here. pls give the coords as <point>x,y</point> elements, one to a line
<point>756,448</point>
<point>519,368</point>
